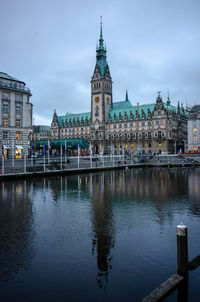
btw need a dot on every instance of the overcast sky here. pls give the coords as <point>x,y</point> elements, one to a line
<point>51,45</point>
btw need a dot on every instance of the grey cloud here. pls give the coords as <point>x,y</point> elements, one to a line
<point>152,45</point>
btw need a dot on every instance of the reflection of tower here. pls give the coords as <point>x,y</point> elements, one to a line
<point>16,224</point>
<point>102,218</point>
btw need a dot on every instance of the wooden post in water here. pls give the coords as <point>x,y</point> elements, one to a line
<point>182,249</point>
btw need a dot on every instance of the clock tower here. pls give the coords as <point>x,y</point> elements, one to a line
<point>101,86</point>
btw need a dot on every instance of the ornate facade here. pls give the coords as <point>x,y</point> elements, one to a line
<point>121,126</point>
<point>194,129</point>
<point>15,116</point>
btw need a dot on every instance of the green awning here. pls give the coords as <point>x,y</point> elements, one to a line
<point>56,143</point>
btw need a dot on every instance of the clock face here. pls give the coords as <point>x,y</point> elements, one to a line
<point>108,100</point>
<point>96,99</point>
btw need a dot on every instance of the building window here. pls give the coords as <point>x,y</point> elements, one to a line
<point>5,121</point>
<point>157,123</point>
<point>18,122</point>
<point>114,126</point>
<point>120,125</point>
<point>18,97</point>
<point>170,134</point>
<point>18,135</point>
<point>5,95</point>
<point>143,124</point>
<point>18,109</point>
<point>5,135</point>
<point>125,125</point>
<point>5,108</point>
<point>159,134</point>
<point>131,125</point>
<point>195,131</point>
<point>149,134</point>
<point>149,145</point>
<point>159,112</point>
<point>149,123</point>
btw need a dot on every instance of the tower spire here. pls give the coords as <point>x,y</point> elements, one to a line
<point>101,36</point>
<point>168,98</point>
<point>101,53</point>
<point>126,99</point>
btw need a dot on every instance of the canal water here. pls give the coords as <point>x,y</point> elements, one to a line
<point>109,236</point>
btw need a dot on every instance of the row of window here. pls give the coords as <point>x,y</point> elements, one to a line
<point>115,126</point>
<point>98,85</point>
<point>5,122</point>
<point>6,96</point>
<point>141,124</point>
<point>142,135</point>
<point>11,84</point>
<point>5,108</point>
<point>6,135</point>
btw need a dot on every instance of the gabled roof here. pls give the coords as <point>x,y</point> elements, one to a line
<point>75,116</point>
<point>127,107</point>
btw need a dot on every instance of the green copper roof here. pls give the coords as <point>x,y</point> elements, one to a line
<point>7,77</point>
<point>118,107</point>
<point>75,116</point>
<point>170,107</point>
<point>127,107</point>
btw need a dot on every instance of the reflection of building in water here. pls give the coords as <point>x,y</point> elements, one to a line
<point>103,227</point>
<point>16,225</point>
<point>194,191</point>
<point>152,189</point>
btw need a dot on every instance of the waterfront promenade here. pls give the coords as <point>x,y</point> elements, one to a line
<point>74,164</point>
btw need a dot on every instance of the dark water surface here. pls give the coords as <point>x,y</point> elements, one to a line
<point>99,237</point>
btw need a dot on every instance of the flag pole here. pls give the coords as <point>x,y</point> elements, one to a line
<point>65,151</point>
<point>78,156</point>
<point>90,155</point>
<point>2,160</point>
<point>48,152</point>
<point>31,154</point>
<point>61,156</point>
<point>44,156</point>
<point>13,153</point>
<point>103,154</point>
<point>113,155</point>
<point>24,159</point>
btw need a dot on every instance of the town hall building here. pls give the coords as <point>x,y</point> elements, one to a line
<point>122,126</point>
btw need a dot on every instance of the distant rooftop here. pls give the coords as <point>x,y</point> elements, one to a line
<point>39,128</point>
<point>4,75</point>
<point>196,108</point>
